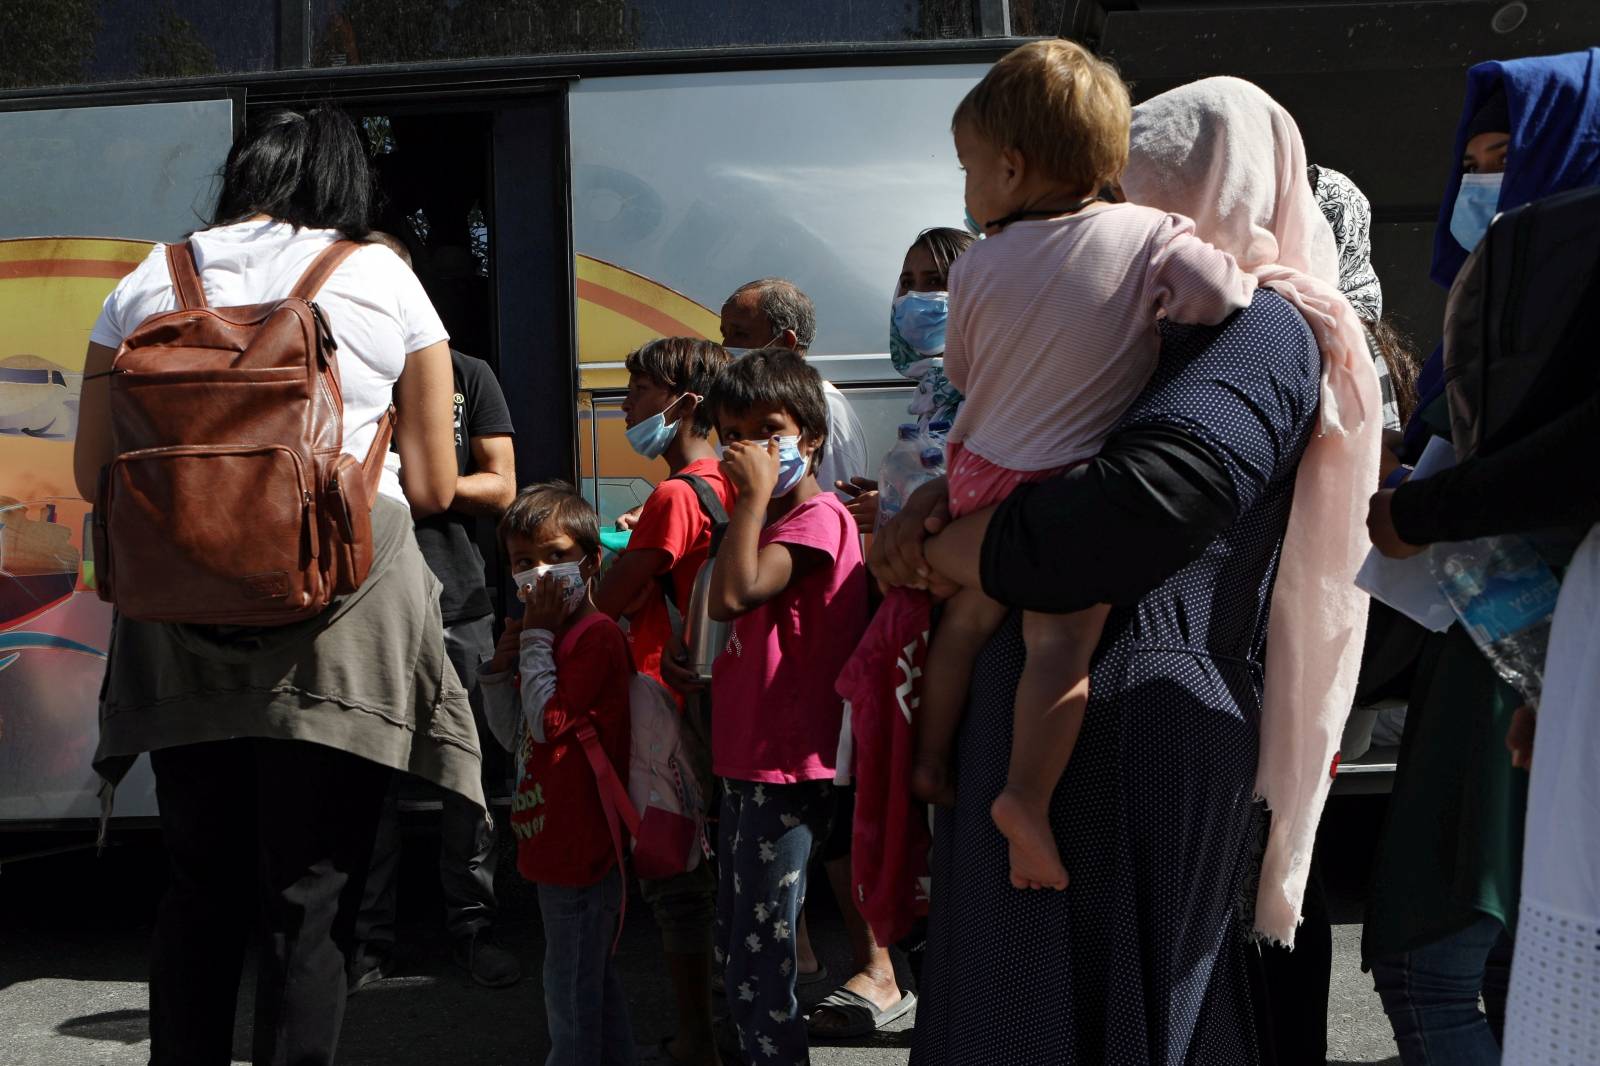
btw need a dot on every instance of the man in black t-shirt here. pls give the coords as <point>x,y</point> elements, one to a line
<point>486,484</point>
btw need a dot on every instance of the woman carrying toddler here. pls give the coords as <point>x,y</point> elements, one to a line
<point>1052,334</point>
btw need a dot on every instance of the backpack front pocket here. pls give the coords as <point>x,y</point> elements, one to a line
<point>212,534</point>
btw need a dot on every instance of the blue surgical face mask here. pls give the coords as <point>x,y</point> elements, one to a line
<point>792,466</point>
<point>1476,204</point>
<point>972,225</point>
<point>651,436</point>
<point>921,317</point>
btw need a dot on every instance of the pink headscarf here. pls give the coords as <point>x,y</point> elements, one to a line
<point>1227,155</point>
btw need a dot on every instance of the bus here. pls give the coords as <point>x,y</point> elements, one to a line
<point>578,177</point>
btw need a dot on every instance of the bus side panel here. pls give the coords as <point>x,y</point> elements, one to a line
<point>129,174</point>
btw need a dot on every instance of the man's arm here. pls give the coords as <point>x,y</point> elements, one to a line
<point>492,485</point>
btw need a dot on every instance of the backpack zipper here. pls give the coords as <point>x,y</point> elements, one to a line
<point>324,331</point>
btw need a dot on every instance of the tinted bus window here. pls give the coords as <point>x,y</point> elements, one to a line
<point>65,42</point>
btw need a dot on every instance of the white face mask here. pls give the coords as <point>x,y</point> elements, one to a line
<point>574,587</point>
<point>740,353</point>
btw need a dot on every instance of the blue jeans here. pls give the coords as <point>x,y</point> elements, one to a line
<point>1431,997</point>
<point>768,834</point>
<point>584,1004</point>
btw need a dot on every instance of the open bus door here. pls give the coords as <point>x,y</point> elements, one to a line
<point>88,188</point>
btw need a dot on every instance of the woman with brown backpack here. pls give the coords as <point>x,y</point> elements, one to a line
<point>277,645</point>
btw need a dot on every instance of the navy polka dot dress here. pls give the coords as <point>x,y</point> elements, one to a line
<point>1141,960</point>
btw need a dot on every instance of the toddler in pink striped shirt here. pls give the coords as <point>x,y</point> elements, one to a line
<point>1052,334</point>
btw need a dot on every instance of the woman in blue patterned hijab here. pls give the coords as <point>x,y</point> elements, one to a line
<point>917,322</point>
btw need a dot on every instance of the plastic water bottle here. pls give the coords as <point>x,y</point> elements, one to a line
<point>916,458</point>
<point>899,467</point>
<point>1505,596</point>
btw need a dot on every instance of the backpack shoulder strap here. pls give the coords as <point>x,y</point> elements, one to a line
<point>372,465</point>
<point>618,808</point>
<point>588,622</point>
<point>185,278</point>
<point>322,267</point>
<point>612,793</point>
<point>717,515</point>
<point>710,506</point>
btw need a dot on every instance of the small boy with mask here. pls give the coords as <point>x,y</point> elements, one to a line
<point>558,672</point>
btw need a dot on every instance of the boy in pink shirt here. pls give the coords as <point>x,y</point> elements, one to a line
<point>1052,334</point>
<point>789,576</point>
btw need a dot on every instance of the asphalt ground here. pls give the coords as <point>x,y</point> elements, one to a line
<point>75,932</point>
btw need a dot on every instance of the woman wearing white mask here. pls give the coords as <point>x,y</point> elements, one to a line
<point>916,344</point>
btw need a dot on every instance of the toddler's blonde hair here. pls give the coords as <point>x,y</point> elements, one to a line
<point>1066,110</point>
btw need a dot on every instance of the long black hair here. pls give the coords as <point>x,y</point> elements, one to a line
<point>944,244</point>
<point>307,168</point>
<point>1400,356</point>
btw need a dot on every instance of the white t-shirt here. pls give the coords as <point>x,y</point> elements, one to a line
<point>845,456</point>
<point>375,306</point>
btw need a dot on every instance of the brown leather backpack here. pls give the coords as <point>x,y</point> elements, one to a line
<point>230,500</point>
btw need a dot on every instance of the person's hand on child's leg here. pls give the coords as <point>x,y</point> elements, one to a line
<point>940,587</point>
<point>896,555</point>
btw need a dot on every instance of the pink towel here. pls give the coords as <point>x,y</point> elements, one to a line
<point>889,849</point>
<point>1227,155</point>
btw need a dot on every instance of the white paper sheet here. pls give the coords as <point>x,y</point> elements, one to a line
<point>1408,585</point>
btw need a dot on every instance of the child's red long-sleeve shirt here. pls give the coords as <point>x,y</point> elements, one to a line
<point>556,814</point>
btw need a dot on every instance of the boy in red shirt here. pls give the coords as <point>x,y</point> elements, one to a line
<point>562,667</point>
<point>665,411</point>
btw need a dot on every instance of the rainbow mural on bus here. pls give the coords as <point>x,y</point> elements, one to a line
<point>53,628</point>
<point>619,310</point>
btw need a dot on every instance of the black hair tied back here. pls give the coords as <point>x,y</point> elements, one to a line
<point>306,168</point>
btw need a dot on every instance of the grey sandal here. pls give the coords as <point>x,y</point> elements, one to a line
<point>861,1016</point>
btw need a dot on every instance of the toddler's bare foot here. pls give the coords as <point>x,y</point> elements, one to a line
<point>1035,862</point>
<point>930,781</point>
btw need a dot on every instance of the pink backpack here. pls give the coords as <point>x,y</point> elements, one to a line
<point>661,807</point>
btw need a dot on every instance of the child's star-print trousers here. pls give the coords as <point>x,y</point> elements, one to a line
<point>767,836</point>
